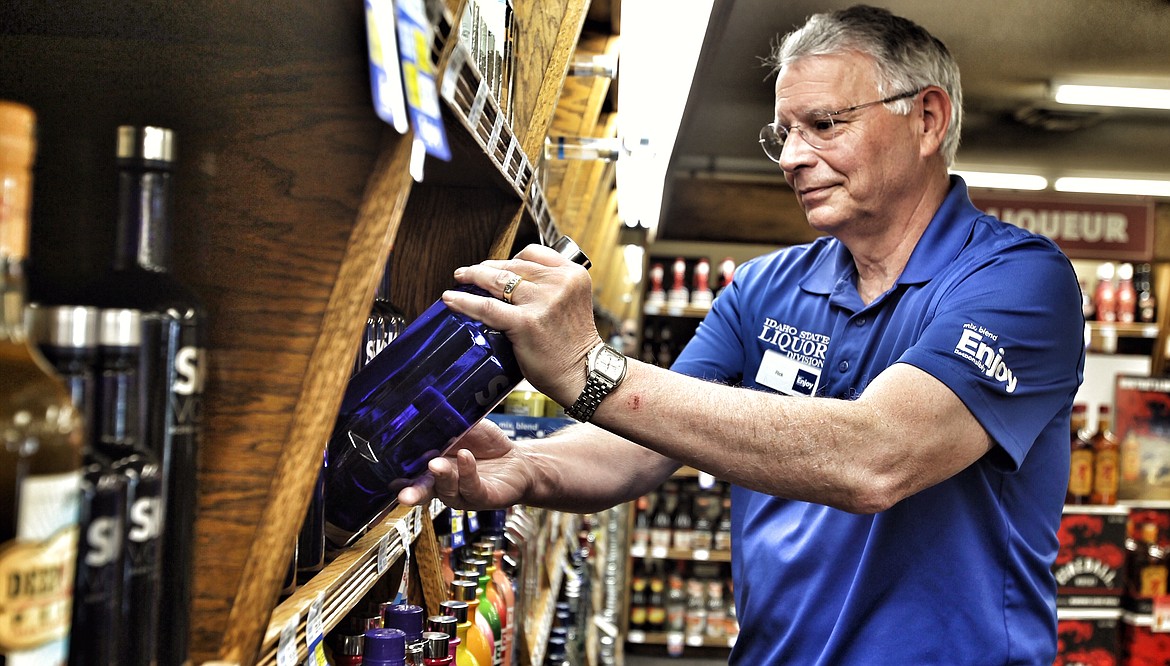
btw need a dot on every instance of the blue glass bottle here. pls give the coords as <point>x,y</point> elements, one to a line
<point>409,404</point>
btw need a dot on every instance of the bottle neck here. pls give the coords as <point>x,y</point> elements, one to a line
<point>12,295</point>
<point>144,216</point>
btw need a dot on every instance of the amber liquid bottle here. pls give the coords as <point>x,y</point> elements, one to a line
<point>1080,476</point>
<point>1106,459</point>
<point>41,434</point>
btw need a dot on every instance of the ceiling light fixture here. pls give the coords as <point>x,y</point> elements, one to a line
<point>1119,96</point>
<point>1127,186</point>
<point>1002,181</point>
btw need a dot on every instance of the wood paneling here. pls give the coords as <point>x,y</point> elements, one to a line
<point>725,210</point>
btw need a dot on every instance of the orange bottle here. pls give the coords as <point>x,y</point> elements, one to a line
<point>1080,475</point>
<point>1106,459</point>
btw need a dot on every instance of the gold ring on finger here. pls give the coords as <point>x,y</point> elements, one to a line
<point>511,287</point>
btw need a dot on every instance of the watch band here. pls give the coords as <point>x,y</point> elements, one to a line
<point>598,384</point>
<point>590,399</point>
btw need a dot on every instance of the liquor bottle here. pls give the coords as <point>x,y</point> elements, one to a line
<point>723,527</point>
<point>458,610</point>
<point>488,604</point>
<point>656,602</point>
<point>173,358</point>
<point>479,635</point>
<point>704,527</point>
<point>42,435</point>
<point>117,434</point>
<point>1148,570</point>
<point>638,600</point>
<point>683,527</point>
<point>726,274</point>
<point>1147,301</point>
<point>98,586</point>
<point>640,537</point>
<point>1106,459</point>
<point>410,404</point>
<point>696,611</point>
<point>661,525</point>
<point>347,649</point>
<point>676,603</point>
<point>1105,294</point>
<point>657,294</point>
<point>556,652</point>
<point>408,619</point>
<point>701,285</point>
<point>67,336</point>
<point>1126,294</point>
<point>384,647</point>
<point>1080,476</point>
<point>716,610</point>
<point>504,589</point>
<point>678,295</point>
<point>437,649</point>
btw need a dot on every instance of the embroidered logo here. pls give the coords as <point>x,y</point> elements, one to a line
<point>977,344</point>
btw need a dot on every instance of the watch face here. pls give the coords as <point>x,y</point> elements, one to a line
<point>610,364</point>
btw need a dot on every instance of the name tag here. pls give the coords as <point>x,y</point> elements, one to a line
<point>786,375</point>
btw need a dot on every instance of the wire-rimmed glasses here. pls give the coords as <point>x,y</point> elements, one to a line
<point>819,132</point>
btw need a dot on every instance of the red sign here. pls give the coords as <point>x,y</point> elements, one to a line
<point>1084,227</point>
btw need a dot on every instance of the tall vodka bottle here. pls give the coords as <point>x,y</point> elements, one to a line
<point>41,437</point>
<point>173,359</point>
<point>409,404</point>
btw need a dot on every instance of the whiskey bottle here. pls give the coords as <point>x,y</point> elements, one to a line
<point>1106,460</point>
<point>41,436</point>
<point>1147,301</point>
<point>1080,476</point>
<point>410,404</point>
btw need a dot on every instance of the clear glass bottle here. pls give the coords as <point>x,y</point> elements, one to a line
<point>410,404</point>
<point>41,435</point>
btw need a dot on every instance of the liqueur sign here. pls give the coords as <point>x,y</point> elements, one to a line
<point>1084,227</point>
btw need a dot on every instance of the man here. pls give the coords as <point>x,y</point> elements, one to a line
<point>891,402</point>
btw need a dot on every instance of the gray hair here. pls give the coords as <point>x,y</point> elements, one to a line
<point>907,57</point>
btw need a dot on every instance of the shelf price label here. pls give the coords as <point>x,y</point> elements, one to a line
<point>418,76</point>
<point>383,553</point>
<point>286,651</point>
<point>385,82</point>
<point>315,633</point>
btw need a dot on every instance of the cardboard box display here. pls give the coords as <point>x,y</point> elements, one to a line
<point>1088,637</point>
<point>1142,426</point>
<point>1090,564</point>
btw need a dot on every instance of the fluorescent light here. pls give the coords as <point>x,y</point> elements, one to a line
<point>1131,186</point>
<point>652,93</point>
<point>1086,95</point>
<point>1002,181</point>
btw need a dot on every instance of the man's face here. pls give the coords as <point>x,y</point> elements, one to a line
<point>852,183</point>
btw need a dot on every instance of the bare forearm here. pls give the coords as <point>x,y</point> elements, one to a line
<point>584,468</point>
<point>858,455</point>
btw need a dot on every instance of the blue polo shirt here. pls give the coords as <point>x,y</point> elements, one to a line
<point>960,572</point>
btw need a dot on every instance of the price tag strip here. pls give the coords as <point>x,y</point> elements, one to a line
<point>403,529</point>
<point>286,652</point>
<point>451,74</point>
<point>476,112</point>
<point>315,633</point>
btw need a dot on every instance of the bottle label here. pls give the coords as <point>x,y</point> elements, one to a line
<point>1153,581</point>
<point>1080,478</point>
<point>36,571</point>
<point>1105,478</point>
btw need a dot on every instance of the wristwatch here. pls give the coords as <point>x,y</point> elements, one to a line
<point>605,368</point>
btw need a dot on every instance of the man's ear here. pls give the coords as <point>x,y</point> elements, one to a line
<point>936,119</point>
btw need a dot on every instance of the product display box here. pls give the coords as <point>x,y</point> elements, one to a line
<point>1088,637</point>
<point>1143,643</point>
<point>1142,426</point>
<point>1090,565</point>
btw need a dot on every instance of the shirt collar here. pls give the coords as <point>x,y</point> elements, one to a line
<point>941,242</point>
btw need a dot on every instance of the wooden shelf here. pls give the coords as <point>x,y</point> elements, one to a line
<point>671,310</point>
<point>690,555</point>
<point>666,638</point>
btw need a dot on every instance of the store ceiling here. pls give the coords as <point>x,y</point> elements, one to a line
<point>1008,52</point>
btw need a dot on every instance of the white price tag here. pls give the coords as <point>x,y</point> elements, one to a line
<point>494,139</point>
<point>403,529</point>
<point>701,555</point>
<point>695,641</point>
<point>658,552</point>
<point>286,651</point>
<point>637,551</point>
<point>314,630</point>
<point>477,104</point>
<point>383,553</point>
<point>509,153</point>
<point>451,74</point>
<point>636,636</point>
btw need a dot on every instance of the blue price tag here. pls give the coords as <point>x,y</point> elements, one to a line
<point>422,93</point>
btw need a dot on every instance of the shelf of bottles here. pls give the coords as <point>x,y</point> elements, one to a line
<point>680,549</point>
<point>1120,308</point>
<point>343,581</point>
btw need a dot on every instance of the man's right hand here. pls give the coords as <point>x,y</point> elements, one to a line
<point>484,470</point>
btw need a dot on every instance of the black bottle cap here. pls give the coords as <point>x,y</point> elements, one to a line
<point>436,645</point>
<point>444,624</point>
<point>456,609</point>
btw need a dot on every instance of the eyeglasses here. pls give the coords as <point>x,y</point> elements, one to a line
<point>820,132</point>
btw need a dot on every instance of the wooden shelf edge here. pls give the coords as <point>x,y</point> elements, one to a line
<point>639,637</point>
<point>687,554</point>
<point>342,582</point>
